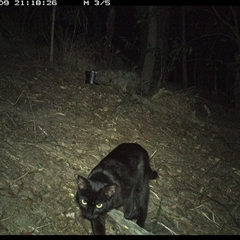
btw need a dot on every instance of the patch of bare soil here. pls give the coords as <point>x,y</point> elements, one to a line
<point>53,126</point>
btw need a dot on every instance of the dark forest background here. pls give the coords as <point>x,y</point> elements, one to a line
<point>169,46</point>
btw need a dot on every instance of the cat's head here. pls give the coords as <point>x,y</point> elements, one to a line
<point>93,198</point>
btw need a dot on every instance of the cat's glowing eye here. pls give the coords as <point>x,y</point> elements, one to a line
<point>99,205</point>
<point>84,202</point>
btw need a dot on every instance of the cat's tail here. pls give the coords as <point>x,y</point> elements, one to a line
<point>152,174</point>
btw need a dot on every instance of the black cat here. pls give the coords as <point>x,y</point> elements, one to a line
<point>120,179</point>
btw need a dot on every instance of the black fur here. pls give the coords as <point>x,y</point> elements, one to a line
<point>120,179</point>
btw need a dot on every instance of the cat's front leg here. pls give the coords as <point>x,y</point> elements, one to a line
<point>98,225</point>
<point>130,208</point>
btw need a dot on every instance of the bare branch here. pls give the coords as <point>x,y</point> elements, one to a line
<point>232,28</point>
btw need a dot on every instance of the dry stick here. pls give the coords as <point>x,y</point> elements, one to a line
<point>212,167</point>
<point>43,131</point>
<point>19,97</point>
<point>166,133</point>
<point>11,120</point>
<point>209,219</point>
<point>115,108</point>
<point>153,154</point>
<point>4,219</point>
<point>20,177</point>
<point>170,230</point>
<point>34,121</point>
<point>47,133</point>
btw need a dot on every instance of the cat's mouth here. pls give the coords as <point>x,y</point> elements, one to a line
<point>90,216</point>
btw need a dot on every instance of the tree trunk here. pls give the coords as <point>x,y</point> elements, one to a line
<point>149,60</point>
<point>237,86</point>
<point>184,63</point>
<point>52,32</point>
<point>109,34</point>
<point>162,44</point>
<point>142,12</point>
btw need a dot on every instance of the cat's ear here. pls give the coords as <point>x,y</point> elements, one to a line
<point>110,190</point>
<point>82,182</point>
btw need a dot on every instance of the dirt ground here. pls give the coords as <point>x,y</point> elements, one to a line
<point>53,126</point>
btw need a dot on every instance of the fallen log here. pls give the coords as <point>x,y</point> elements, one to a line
<point>131,226</point>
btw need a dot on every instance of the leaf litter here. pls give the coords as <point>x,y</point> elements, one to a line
<point>54,126</point>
